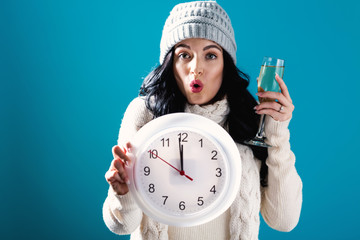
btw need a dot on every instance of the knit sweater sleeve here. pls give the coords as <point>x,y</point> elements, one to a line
<point>282,198</point>
<point>120,213</point>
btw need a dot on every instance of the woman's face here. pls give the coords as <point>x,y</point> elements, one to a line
<point>198,69</point>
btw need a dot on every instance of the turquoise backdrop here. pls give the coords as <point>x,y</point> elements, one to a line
<point>68,69</point>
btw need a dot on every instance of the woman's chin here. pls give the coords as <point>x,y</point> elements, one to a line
<point>198,100</point>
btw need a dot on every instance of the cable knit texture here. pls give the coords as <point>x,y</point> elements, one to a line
<point>279,203</point>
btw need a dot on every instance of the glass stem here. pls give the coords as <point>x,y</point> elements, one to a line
<point>260,133</point>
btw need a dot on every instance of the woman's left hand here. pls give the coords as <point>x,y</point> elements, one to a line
<point>282,109</point>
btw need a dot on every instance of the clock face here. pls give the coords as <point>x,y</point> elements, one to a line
<point>181,171</point>
<point>186,169</point>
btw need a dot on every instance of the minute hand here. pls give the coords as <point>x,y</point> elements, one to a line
<point>181,149</point>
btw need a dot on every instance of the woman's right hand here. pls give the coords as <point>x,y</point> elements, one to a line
<point>116,176</point>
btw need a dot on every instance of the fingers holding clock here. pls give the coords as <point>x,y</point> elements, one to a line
<point>120,160</point>
<point>116,176</point>
<point>117,167</point>
<point>121,153</point>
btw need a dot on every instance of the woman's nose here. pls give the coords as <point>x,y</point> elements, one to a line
<point>196,67</point>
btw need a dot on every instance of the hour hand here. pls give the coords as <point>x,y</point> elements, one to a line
<point>181,150</point>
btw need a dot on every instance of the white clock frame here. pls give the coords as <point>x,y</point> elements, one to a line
<point>212,131</point>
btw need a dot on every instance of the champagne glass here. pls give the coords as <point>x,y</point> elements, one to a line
<point>267,82</point>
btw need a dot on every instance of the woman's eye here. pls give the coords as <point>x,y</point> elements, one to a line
<point>211,56</point>
<point>184,56</point>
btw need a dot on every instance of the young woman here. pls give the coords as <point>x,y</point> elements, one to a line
<point>197,74</point>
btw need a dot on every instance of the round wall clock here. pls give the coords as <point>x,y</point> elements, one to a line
<point>185,170</point>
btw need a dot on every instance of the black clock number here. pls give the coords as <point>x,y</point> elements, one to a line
<point>165,142</point>
<point>165,198</point>
<point>201,142</point>
<point>219,173</point>
<point>146,171</point>
<point>182,205</point>
<point>153,153</point>
<point>183,137</point>
<point>151,188</point>
<point>200,201</point>
<point>214,152</point>
<point>213,189</point>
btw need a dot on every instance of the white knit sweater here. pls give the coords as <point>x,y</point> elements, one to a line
<point>279,203</point>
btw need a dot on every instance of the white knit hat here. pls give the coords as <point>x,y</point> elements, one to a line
<point>199,19</point>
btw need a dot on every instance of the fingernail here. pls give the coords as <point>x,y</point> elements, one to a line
<point>259,93</point>
<point>127,181</point>
<point>124,150</point>
<point>255,107</point>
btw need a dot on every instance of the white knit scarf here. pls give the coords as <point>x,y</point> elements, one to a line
<point>216,112</point>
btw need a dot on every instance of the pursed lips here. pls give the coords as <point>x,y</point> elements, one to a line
<point>196,86</point>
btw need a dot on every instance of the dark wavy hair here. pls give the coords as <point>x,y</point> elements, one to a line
<point>163,96</point>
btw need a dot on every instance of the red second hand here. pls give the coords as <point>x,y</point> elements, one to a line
<point>181,172</point>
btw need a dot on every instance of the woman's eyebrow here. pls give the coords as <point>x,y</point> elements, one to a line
<point>211,46</point>
<point>183,45</point>
<point>204,49</point>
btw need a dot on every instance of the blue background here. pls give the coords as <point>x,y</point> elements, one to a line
<point>68,69</point>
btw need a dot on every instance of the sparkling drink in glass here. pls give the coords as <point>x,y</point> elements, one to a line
<point>267,82</point>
